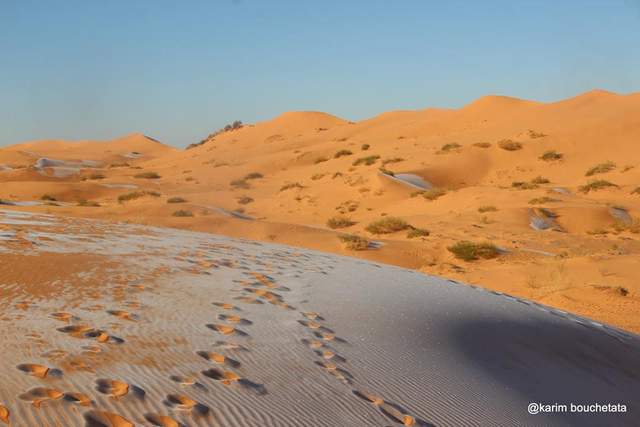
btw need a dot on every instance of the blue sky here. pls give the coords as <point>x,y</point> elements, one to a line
<point>177,70</point>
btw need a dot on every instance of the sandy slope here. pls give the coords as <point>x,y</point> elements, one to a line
<point>587,268</point>
<point>169,327</point>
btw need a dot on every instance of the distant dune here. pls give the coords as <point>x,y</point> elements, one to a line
<point>541,182</point>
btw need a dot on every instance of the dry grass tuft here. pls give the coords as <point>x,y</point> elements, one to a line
<point>596,185</point>
<point>389,224</point>
<point>354,243</point>
<point>601,168</point>
<point>147,175</point>
<point>509,145</point>
<point>339,222</point>
<point>469,251</point>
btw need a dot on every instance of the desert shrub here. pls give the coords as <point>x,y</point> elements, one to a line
<point>386,171</point>
<point>509,145</point>
<point>596,185</point>
<point>182,213</point>
<point>523,185</point>
<point>227,128</point>
<point>469,251</point>
<point>176,200</point>
<point>632,227</point>
<point>365,147</point>
<point>482,144</point>
<point>450,147</point>
<point>636,191</point>
<point>240,183</point>
<point>245,200</point>
<point>487,208</point>
<point>417,232</point>
<point>253,175</point>
<point>368,161</point>
<point>354,243</point>
<point>290,185</point>
<point>601,168</point>
<point>48,198</point>
<point>627,168</point>
<point>389,224</point>
<point>540,180</point>
<point>94,176</point>
<point>317,176</point>
<point>88,203</point>
<point>542,200</point>
<point>434,193</point>
<point>342,153</point>
<point>392,160</point>
<point>622,291</point>
<point>339,222</point>
<point>551,155</point>
<point>320,160</point>
<point>119,165</point>
<point>147,175</point>
<point>533,134</point>
<point>136,195</point>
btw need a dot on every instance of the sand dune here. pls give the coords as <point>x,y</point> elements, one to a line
<point>218,331</point>
<point>538,180</point>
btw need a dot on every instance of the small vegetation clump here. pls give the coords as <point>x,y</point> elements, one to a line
<point>469,251</point>
<point>632,227</point>
<point>601,168</point>
<point>48,198</point>
<point>392,160</point>
<point>240,183</point>
<point>228,128</point>
<point>342,153</point>
<point>290,185</point>
<point>434,193</point>
<point>119,165</point>
<point>417,232</point>
<point>450,147</point>
<point>540,180</point>
<point>482,144</point>
<point>389,224</point>
<point>320,160</point>
<point>136,195</point>
<point>245,200</point>
<point>596,185</point>
<point>317,176</point>
<point>622,291</point>
<point>533,134</point>
<point>339,222</point>
<point>147,175</point>
<point>636,191</point>
<point>354,243</point>
<point>368,161</point>
<point>88,203</point>
<point>542,200</point>
<point>509,145</point>
<point>94,176</point>
<point>176,200</point>
<point>551,155</point>
<point>253,175</point>
<point>182,213</point>
<point>386,171</point>
<point>523,185</point>
<point>365,147</point>
<point>488,208</point>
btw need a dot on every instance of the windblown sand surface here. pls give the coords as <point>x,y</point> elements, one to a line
<point>519,174</point>
<point>107,324</point>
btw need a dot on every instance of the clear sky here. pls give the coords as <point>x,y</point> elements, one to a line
<point>177,70</point>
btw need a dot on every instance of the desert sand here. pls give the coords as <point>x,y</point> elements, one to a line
<point>554,186</point>
<point>114,324</point>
